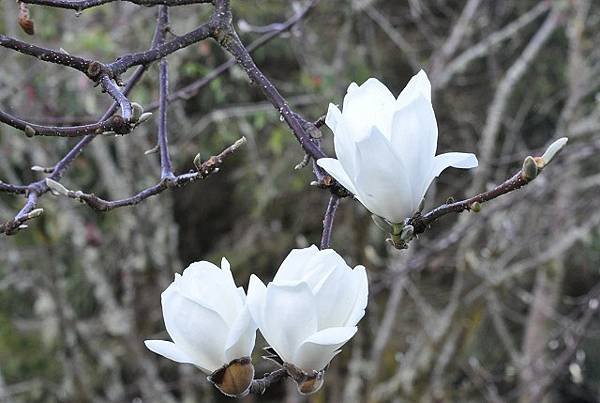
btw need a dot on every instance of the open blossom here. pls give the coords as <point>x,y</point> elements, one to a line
<point>206,317</point>
<point>311,307</point>
<point>386,147</point>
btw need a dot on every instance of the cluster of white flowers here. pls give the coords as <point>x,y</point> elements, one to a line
<point>386,157</point>
<point>306,314</point>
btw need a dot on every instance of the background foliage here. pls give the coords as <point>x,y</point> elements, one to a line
<point>498,306</point>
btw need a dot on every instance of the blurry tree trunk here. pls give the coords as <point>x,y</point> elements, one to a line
<point>545,298</point>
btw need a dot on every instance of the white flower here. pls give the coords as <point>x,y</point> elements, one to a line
<point>206,317</point>
<point>386,147</point>
<point>311,308</point>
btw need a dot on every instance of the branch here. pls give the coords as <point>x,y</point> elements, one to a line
<point>166,172</point>
<point>332,206</point>
<point>27,213</point>
<point>224,33</point>
<point>32,129</point>
<point>124,62</point>
<point>120,98</point>
<point>17,189</point>
<point>259,386</point>
<point>531,168</point>
<point>94,69</point>
<point>80,5</point>
<point>36,189</point>
<point>193,88</point>
<point>204,170</point>
<point>47,55</point>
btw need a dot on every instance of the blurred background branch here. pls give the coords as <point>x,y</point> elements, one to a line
<point>497,306</point>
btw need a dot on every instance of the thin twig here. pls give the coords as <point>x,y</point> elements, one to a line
<point>208,167</point>
<point>190,90</point>
<point>226,35</point>
<point>260,385</point>
<point>421,222</point>
<point>332,205</point>
<point>166,171</point>
<point>80,5</point>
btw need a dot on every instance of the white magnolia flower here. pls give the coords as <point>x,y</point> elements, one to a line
<point>386,147</point>
<point>311,308</point>
<point>206,317</point>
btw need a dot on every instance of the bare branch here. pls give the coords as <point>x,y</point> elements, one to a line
<point>332,205</point>
<point>260,385</point>
<point>80,5</point>
<point>208,167</point>
<point>166,172</point>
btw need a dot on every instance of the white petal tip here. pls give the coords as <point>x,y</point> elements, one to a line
<point>225,264</point>
<point>352,87</point>
<point>553,149</point>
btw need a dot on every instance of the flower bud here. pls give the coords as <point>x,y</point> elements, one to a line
<point>35,213</point>
<point>553,149</point>
<point>136,111</point>
<point>530,169</point>
<point>476,207</point>
<point>235,378</point>
<point>56,187</point>
<point>29,131</point>
<point>144,116</point>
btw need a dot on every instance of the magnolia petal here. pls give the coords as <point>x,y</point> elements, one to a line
<point>335,297</point>
<point>443,161</point>
<point>370,90</point>
<point>169,350</point>
<point>334,168</point>
<point>292,268</point>
<point>196,329</point>
<point>365,106</point>
<point>382,184</point>
<point>256,300</point>
<point>344,141</point>
<point>208,285</point>
<point>320,267</point>
<point>362,296</point>
<point>455,160</point>
<point>241,338</point>
<point>418,85</point>
<point>414,139</point>
<point>353,86</point>
<point>343,138</point>
<point>316,351</point>
<point>334,116</point>
<point>226,268</point>
<point>290,317</point>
